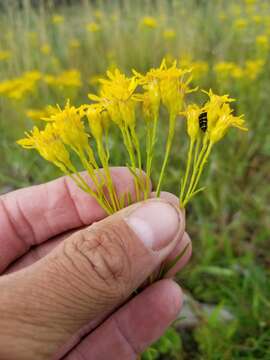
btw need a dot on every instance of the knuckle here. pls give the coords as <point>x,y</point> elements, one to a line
<point>104,251</point>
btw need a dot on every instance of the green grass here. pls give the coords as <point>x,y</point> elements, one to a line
<point>229,222</point>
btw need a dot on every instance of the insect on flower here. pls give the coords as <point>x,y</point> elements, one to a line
<point>203,121</point>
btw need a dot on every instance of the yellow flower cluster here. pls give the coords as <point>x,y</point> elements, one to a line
<point>5,55</point>
<point>93,27</point>
<point>17,88</point>
<point>66,78</point>
<point>226,70</point>
<point>121,101</point>
<point>149,22</point>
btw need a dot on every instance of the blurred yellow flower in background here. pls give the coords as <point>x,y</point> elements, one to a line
<point>262,42</point>
<point>226,70</point>
<point>240,23</point>
<point>74,43</point>
<point>149,21</point>
<point>93,27</point>
<point>253,68</point>
<point>257,19</point>
<point>169,34</point>
<point>98,14</point>
<point>199,68</point>
<point>40,114</point>
<point>67,78</point>
<point>57,19</point>
<point>5,55</point>
<point>17,88</point>
<point>46,49</point>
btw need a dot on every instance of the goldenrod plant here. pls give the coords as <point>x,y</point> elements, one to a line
<point>121,101</point>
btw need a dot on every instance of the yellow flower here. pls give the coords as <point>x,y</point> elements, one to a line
<point>150,22</point>
<point>116,96</point>
<point>93,27</point>
<point>222,16</point>
<point>240,23</point>
<point>68,78</point>
<point>213,106</point>
<point>262,42</point>
<point>98,14</point>
<point>98,119</point>
<point>226,70</point>
<point>173,87</point>
<point>49,145</point>
<point>151,97</point>
<point>74,43</point>
<point>192,113</point>
<point>219,117</point>
<point>17,88</point>
<point>224,121</point>
<point>5,55</point>
<point>39,114</point>
<point>257,19</point>
<point>57,19</point>
<point>169,34</point>
<point>46,49</point>
<point>69,125</point>
<point>33,38</point>
<point>171,84</point>
<point>199,68</point>
<point>253,68</point>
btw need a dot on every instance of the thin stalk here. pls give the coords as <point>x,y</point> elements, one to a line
<point>196,153</point>
<point>85,187</point>
<point>136,143</point>
<point>110,186</point>
<point>151,141</point>
<point>93,177</point>
<point>195,168</point>
<point>199,169</point>
<point>167,152</point>
<point>129,148</point>
<point>187,173</point>
<point>206,155</point>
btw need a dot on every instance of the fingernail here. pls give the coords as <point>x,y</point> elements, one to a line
<point>155,222</point>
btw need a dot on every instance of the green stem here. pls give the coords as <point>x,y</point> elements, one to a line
<point>85,187</point>
<point>206,155</point>
<point>191,146</point>
<point>195,168</point>
<point>98,184</point>
<point>110,186</point>
<point>141,180</point>
<point>199,168</point>
<point>129,148</point>
<point>167,152</point>
<point>196,153</point>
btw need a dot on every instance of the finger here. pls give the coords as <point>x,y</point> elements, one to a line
<point>134,327</point>
<point>184,247</point>
<point>30,216</point>
<point>38,252</point>
<point>90,274</point>
<point>171,198</point>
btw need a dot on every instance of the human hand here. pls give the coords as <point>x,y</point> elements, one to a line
<point>66,293</point>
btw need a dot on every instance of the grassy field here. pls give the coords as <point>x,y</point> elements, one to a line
<point>49,54</point>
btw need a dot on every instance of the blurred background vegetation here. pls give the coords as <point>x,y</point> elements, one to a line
<point>54,50</point>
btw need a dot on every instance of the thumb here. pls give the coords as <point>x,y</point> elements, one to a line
<point>86,277</point>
